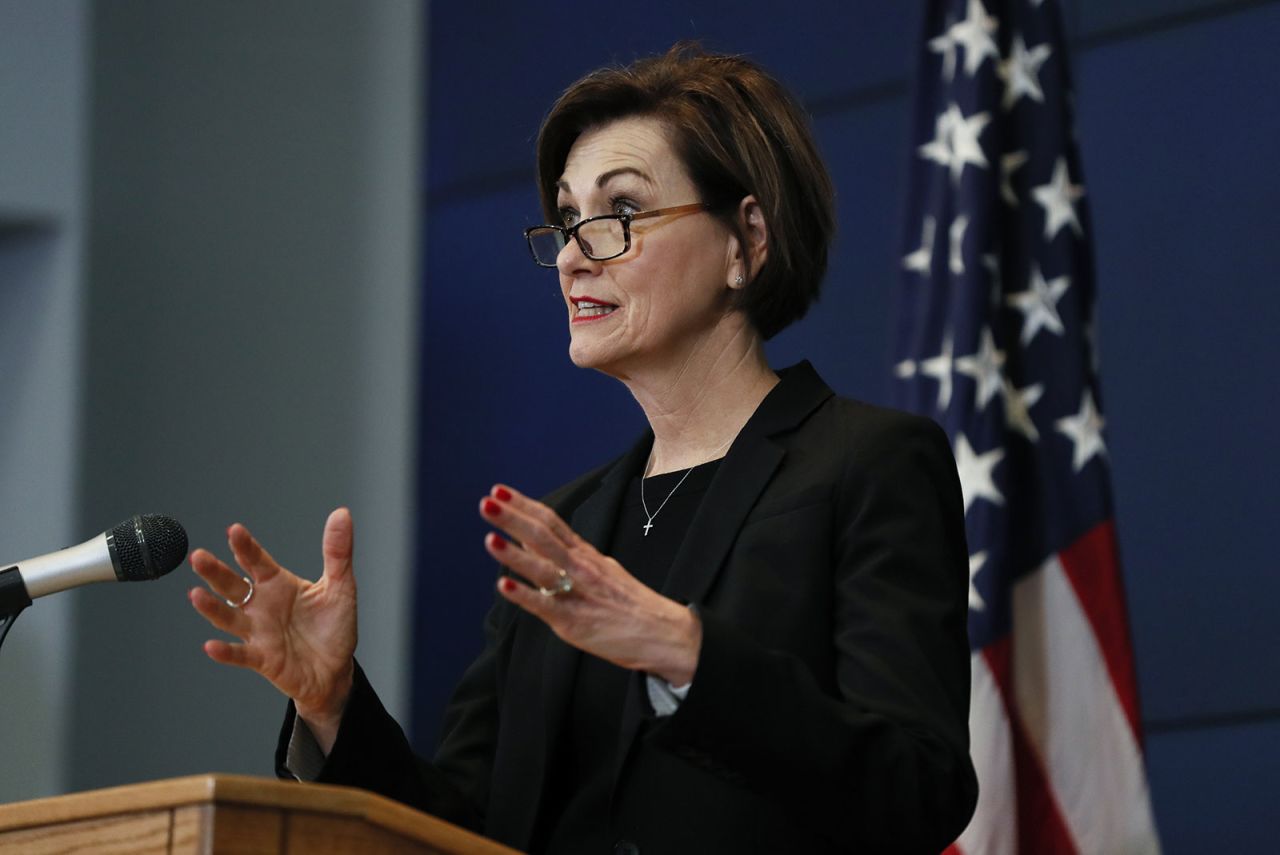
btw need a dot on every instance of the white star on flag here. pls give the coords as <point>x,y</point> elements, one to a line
<point>975,473</point>
<point>1058,199</point>
<point>974,33</point>
<point>984,367</point>
<point>976,560</point>
<point>938,149</point>
<point>1039,304</point>
<point>1084,429</point>
<point>1017,408</point>
<point>945,45</point>
<point>955,141</point>
<point>965,147</point>
<point>1020,72</point>
<point>956,233</point>
<point>919,260</point>
<point>939,368</point>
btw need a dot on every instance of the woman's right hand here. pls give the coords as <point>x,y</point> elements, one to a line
<point>300,635</point>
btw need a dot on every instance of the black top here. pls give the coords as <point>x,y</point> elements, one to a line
<point>579,821</point>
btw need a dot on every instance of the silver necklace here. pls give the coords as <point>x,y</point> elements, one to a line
<point>649,523</point>
<point>652,516</point>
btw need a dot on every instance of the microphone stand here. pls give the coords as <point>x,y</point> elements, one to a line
<point>13,599</point>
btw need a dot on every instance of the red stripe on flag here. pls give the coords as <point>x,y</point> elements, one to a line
<point>1093,568</point>
<point>1041,827</point>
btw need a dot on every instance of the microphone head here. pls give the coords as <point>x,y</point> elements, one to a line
<point>146,546</point>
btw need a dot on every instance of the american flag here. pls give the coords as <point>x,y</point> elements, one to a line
<point>995,340</point>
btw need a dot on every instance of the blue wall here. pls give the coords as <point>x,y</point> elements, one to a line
<point>1178,127</point>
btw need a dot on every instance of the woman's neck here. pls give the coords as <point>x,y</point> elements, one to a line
<point>697,409</point>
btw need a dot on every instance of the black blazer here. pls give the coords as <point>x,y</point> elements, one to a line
<point>829,708</point>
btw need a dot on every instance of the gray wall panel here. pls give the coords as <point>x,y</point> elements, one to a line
<point>42,127</point>
<point>251,351</point>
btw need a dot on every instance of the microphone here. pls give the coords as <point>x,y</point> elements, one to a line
<point>145,546</point>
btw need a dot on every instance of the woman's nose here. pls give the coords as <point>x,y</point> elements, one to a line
<point>573,260</point>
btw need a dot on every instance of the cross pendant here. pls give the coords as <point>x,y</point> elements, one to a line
<point>648,526</point>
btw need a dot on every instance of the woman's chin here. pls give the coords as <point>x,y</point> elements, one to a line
<point>587,348</point>
<point>595,357</point>
<point>585,356</point>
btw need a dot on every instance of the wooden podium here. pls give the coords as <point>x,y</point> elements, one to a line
<point>230,814</point>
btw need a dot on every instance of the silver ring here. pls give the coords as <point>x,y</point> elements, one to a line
<point>563,586</point>
<point>247,597</point>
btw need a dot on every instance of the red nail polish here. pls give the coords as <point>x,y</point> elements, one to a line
<point>491,508</point>
<point>497,543</point>
<point>503,494</point>
<point>508,584</point>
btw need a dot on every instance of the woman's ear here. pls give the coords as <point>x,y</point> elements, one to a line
<point>754,229</point>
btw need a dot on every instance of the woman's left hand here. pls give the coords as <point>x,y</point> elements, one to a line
<point>608,612</point>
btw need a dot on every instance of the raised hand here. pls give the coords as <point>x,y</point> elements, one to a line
<point>606,611</point>
<point>300,635</point>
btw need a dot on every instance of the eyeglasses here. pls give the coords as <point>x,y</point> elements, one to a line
<point>600,238</point>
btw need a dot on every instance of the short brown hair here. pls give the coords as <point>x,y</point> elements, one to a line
<point>738,133</point>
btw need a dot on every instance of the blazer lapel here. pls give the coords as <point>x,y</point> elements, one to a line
<point>743,476</point>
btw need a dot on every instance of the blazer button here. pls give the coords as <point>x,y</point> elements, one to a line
<point>625,847</point>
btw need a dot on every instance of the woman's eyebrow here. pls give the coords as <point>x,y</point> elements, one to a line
<point>606,177</point>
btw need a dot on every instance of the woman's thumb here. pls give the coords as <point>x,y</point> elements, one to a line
<point>338,544</point>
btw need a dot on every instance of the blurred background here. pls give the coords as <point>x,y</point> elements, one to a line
<point>261,259</point>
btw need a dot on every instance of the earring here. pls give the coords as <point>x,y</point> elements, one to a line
<point>738,280</point>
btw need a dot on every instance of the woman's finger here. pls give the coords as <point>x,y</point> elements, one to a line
<point>531,533</point>
<point>530,599</point>
<point>537,510</point>
<point>538,571</point>
<point>338,545</point>
<point>211,568</point>
<point>225,582</point>
<point>250,555</point>
<point>217,612</point>
<point>226,653</point>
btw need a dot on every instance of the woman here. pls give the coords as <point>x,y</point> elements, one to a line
<point>745,634</point>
